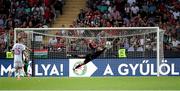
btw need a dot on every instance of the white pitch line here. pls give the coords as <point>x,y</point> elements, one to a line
<point>89,90</point>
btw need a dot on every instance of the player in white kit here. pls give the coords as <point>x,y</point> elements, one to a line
<point>18,50</point>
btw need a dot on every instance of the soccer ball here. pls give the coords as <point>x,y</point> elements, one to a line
<point>108,44</point>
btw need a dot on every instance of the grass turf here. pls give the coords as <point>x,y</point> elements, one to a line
<point>93,83</point>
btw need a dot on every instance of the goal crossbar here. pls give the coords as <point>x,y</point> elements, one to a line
<point>92,28</point>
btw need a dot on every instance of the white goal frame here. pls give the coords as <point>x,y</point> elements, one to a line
<point>103,28</point>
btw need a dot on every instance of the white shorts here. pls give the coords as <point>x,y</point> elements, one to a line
<point>18,64</point>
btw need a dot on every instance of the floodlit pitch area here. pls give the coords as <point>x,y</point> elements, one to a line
<point>93,83</point>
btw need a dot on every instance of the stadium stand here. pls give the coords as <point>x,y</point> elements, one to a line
<point>70,12</point>
<point>98,13</point>
<point>24,14</point>
<point>135,13</point>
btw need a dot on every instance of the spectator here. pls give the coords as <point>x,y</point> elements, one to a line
<point>60,45</point>
<point>25,13</point>
<point>115,14</point>
<point>135,10</point>
<point>131,48</point>
<point>175,44</point>
<point>58,6</point>
<point>176,14</point>
<point>1,22</point>
<point>81,15</point>
<point>52,43</point>
<point>140,48</point>
<point>131,2</point>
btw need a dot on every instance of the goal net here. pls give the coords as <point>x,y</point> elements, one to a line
<point>59,43</point>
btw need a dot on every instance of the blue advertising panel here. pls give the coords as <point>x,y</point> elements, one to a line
<point>136,67</point>
<point>98,67</point>
<point>5,66</point>
<point>42,67</point>
<point>49,67</point>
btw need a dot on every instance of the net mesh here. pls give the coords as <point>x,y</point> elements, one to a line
<point>57,43</point>
<point>71,43</point>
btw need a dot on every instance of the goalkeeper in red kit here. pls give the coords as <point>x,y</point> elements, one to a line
<point>96,52</point>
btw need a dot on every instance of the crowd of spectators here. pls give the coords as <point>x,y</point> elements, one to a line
<point>98,13</point>
<point>135,13</point>
<point>25,14</point>
<point>130,13</point>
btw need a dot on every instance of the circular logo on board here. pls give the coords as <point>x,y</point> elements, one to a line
<point>81,70</point>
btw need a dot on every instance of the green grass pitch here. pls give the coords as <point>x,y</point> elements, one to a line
<point>92,83</point>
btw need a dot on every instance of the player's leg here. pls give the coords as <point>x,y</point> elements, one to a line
<point>19,67</point>
<point>26,63</point>
<point>19,73</point>
<point>10,72</point>
<point>88,58</point>
<point>79,65</point>
<point>25,67</point>
<point>20,70</point>
<point>15,69</point>
<point>29,73</point>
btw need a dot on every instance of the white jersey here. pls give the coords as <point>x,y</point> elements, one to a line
<point>18,51</point>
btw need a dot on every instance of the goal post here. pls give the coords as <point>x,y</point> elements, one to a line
<point>139,42</point>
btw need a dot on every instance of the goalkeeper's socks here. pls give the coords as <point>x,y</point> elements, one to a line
<point>18,78</point>
<point>78,66</point>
